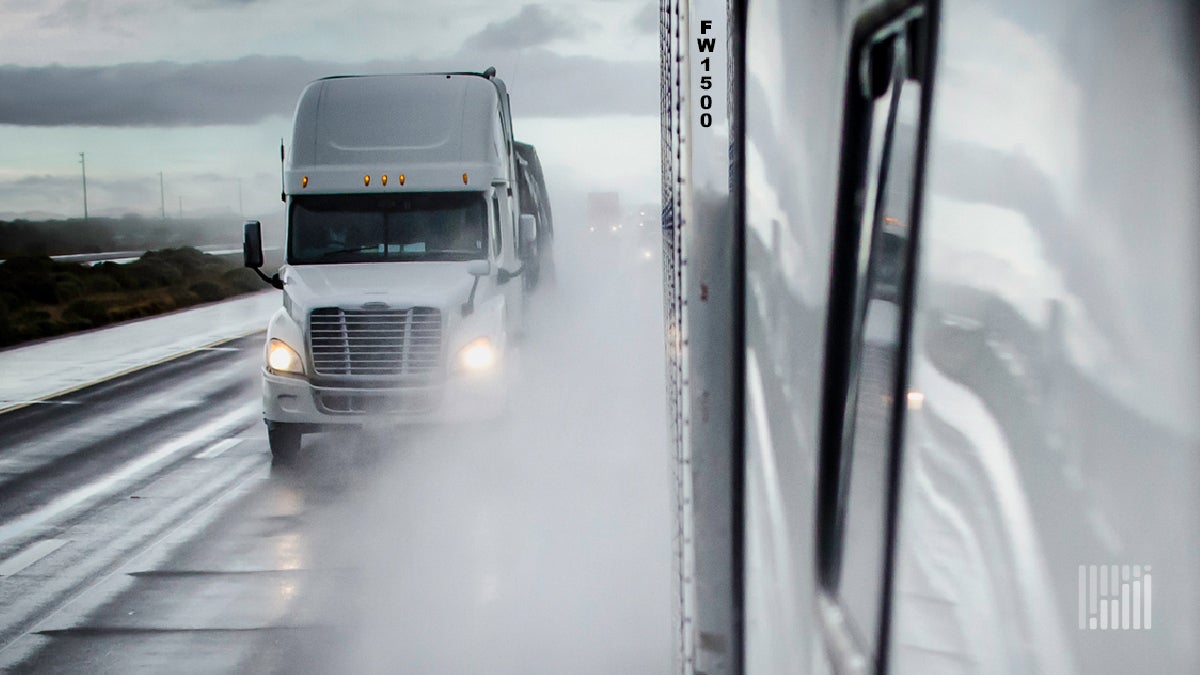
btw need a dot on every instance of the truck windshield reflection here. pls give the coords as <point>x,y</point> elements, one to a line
<point>349,228</point>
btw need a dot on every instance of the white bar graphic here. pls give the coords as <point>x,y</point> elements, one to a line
<point>1115,597</point>
<point>1148,591</point>
<point>1082,597</point>
<point>1114,594</point>
<point>1137,596</point>
<point>1093,596</point>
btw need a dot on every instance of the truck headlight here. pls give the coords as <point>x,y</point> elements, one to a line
<point>477,356</point>
<point>282,359</point>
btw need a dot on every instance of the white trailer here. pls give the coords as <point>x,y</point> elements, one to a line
<point>405,236</point>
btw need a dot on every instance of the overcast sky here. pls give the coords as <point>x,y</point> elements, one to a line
<point>203,90</point>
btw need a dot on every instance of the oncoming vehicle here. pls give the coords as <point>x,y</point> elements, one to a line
<point>406,244</point>
<point>933,300</point>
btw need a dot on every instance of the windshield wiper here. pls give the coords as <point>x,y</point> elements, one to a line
<point>355,249</point>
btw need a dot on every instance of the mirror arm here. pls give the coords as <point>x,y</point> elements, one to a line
<point>503,276</point>
<point>468,307</point>
<point>273,280</point>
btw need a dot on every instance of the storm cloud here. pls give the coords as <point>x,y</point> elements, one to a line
<point>252,88</point>
<point>533,26</point>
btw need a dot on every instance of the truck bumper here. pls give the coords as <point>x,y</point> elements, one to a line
<point>295,400</point>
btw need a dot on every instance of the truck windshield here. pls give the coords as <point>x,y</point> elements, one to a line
<point>373,228</point>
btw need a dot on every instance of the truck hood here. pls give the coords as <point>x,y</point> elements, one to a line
<point>399,284</point>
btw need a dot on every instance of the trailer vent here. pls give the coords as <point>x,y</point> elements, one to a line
<point>376,342</point>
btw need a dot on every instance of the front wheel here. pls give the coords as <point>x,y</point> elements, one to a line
<point>284,440</point>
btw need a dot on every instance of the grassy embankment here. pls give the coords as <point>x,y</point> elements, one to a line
<point>40,297</point>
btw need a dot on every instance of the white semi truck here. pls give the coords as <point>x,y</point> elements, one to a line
<point>405,240</point>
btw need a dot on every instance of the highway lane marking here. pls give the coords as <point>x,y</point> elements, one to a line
<point>37,402</point>
<point>229,421</point>
<point>216,449</point>
<point>79,601</point>
<point>6,406</point>
<point>29,556</point>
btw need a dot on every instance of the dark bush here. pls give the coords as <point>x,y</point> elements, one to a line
<point>38,289</point>
<point>93,312</point>
<point>99,282</point>
<point>7,330</point>
<point>66,288</point>
<point>154,272</point>
<point>183,297</point>
<point>207,291</point>
<point>242,280</point>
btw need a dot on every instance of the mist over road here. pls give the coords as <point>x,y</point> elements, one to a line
<point>143,526</point>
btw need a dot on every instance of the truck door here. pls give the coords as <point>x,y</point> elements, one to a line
<point>507,263</point>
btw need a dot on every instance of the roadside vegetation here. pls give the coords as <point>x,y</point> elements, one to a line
<point>127,233</point>
<point>40,297</point>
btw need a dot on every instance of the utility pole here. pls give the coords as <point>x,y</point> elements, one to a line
<point>162,198</point>
<point>241,211</point>
<point>83,163</point>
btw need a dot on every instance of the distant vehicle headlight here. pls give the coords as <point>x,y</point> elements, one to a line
<point>282,359</point>
<point>477,356</point>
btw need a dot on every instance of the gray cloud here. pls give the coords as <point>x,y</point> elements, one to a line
<point>647,19</point>
<point>533,26</point>
<point>249,89</point>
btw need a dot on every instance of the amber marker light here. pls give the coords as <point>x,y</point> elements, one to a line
<point>304,182</point>
<point>366,180</point>
<point>464,179</point>
<point>400,178</point>
<point>383,179</point>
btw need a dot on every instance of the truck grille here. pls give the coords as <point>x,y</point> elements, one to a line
<point>375,342</point>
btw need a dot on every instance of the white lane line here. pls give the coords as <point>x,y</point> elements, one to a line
<point>23,403</point>
<point>218,427</point>
<point>29,556</point>
<point>216,449</point>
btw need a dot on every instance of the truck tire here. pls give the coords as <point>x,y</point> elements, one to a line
<point>284,440</point>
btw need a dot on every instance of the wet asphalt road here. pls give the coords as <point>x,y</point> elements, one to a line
<point>143,527</point>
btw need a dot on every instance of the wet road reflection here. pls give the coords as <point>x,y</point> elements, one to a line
<point>539,543</point>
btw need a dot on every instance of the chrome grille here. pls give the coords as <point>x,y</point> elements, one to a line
<point>375,342</point>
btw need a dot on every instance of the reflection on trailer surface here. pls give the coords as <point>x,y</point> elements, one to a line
<point>935,335</point>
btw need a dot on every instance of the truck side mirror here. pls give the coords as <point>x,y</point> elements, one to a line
<point>528,228</point>
<point>479,268</point>
<point>252,255</point>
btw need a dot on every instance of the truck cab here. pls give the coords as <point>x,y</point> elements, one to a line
<point>401,289</point>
